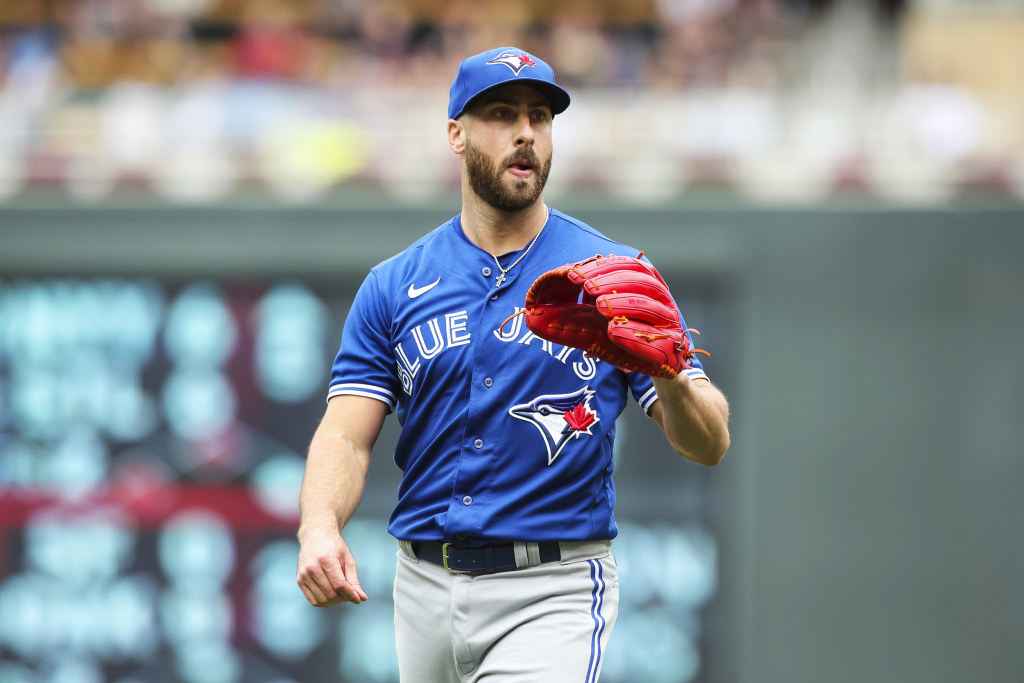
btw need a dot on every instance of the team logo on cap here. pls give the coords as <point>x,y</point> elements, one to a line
<point>515,60</point>
<point>559,418</point>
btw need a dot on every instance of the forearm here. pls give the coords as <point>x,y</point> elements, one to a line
<point>336,466</point>
<point>333,484</point>
<point>694,415</point>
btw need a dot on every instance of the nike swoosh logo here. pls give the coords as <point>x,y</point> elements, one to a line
<point>415,291</point>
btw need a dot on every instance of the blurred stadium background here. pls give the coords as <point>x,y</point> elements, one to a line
<point>191,190</point>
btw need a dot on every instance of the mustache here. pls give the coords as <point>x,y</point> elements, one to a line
<point>526,156</point>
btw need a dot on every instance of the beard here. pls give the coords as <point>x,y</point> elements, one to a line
<point>490,184</point>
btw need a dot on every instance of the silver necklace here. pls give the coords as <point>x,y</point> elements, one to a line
<point>504,271</point>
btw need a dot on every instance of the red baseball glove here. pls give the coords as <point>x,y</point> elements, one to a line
<point>616,308</point>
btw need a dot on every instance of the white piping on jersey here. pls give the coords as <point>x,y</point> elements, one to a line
<point>649,397</point>
<point>366,390</point>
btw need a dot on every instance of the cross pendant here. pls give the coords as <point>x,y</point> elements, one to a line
<point>501,278</point>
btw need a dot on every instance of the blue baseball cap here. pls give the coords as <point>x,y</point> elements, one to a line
<point>502,66</point>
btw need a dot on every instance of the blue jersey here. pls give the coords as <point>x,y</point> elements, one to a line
<point>504,436</point>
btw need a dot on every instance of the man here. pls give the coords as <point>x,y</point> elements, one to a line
<point>504,513</point>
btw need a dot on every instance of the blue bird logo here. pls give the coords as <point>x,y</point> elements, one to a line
<point>559,418</point>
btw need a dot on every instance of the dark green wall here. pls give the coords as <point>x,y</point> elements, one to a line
<point>870,503</point>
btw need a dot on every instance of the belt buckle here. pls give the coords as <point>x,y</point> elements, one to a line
<point>444,561</point>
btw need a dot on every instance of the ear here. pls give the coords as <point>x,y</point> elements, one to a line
<point>456,136</point>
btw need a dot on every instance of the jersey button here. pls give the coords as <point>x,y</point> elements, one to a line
<point>485,271</point>
<point>479,443</point>
<point>467,500</point>
<point>488,382</point>
<point>494,297</point>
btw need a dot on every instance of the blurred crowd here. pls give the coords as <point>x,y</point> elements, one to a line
<point>100,43</point>
<point>196,99</point>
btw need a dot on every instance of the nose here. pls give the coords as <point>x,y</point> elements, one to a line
<point>524,131</point>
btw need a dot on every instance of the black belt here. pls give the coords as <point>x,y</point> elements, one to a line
<point>486,560</point>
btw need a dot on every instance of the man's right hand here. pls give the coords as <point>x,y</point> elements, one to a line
<point>327,571</point>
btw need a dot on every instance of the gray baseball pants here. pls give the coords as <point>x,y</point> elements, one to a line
<point>548,623</point>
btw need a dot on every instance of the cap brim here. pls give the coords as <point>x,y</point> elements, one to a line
<point>557,98</point>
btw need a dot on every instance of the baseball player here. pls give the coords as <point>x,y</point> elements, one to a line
<point>504,515</point>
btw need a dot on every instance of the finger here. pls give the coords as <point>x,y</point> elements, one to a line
<point>313,597</point>
<point>598,268</point>
<point>338,577</point>
<point>353,578</point>
<point>314,579</point>
<point>331,603</point>
<point>629,281</point>
<point>638,307</point>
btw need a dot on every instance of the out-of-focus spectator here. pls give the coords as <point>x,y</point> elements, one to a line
<point>98,92</point>
<point>719,43</point>
<point>105,42</point>
<point>272,41</point>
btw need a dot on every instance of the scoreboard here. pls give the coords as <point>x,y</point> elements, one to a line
<point>152,439</point>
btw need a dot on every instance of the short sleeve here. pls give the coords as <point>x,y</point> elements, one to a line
<point>365,365</point>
